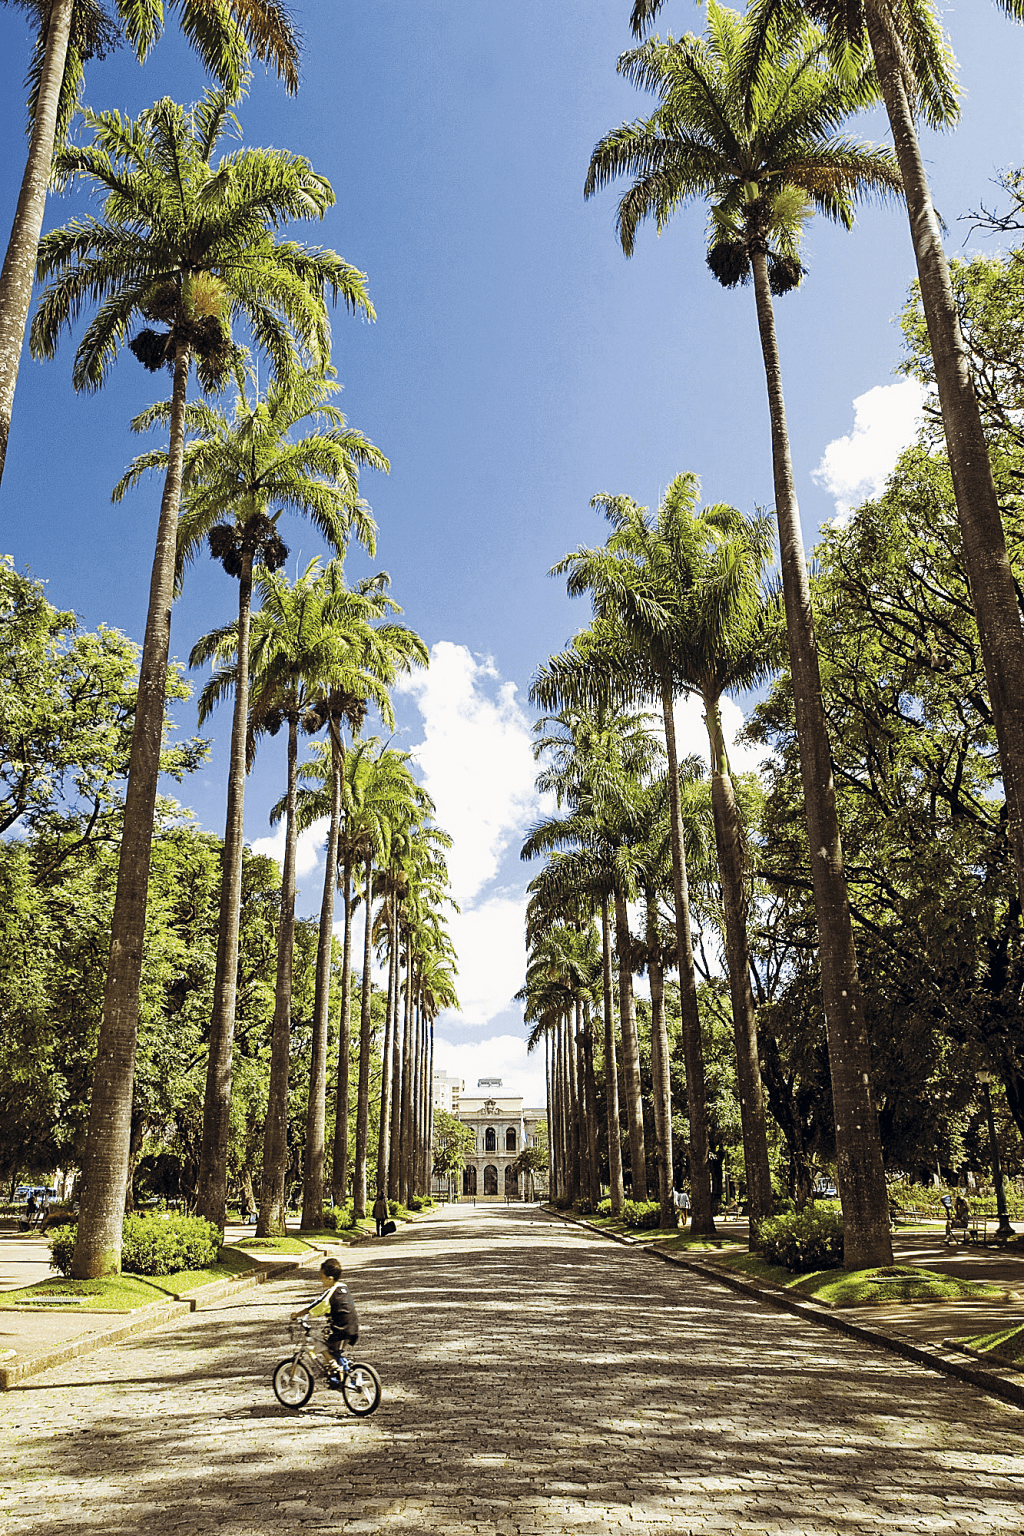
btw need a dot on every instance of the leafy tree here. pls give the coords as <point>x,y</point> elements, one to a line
<point>190,245</point>
<point>452,1140</point>
<point>765,152</point>
<point>70,33</point>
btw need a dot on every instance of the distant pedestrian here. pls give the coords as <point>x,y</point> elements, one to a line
<point>381,1212</point>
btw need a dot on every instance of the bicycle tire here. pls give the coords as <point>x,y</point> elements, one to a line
<point>360,1387</point>
<point>293,1383</point>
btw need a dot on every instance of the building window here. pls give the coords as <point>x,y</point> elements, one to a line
<point>469,1181</point>
<point>490,1178</point>
<point>491,1141</point>
<point>510,1140</point>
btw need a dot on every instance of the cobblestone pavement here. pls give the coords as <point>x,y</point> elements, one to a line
<point>537,1380</point>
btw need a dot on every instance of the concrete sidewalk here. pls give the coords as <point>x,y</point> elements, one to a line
<point>34,1340</point>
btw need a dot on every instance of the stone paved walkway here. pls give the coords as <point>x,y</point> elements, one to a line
<point>537,1380</point>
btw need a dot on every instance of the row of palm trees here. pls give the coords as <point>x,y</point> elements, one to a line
<point>189,243</point>
<point>750,120</point>
<point>681,604</point>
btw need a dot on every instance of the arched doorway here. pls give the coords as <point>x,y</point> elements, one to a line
<point>469,1181</point>
<point>511,1183</point>
<point>490,1180</point>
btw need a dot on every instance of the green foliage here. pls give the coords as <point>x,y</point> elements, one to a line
<point>452,1140</point>
<point>151,1245</point>
<point>604,1208</point>
<point>808,1240</point>
<point>642,1214</point>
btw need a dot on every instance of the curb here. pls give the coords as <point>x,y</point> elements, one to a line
<point>997,1384</point>
<point>146,1321</point>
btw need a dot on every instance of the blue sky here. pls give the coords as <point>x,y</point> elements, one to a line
<point>518,365</point>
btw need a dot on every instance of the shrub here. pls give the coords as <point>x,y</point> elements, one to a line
<point>642,1214</point>
<point>150,1245</point>
<point>62,1246</point>
<point>605,1208</point>
<point>804,1241</point>
<point>415,1203</point>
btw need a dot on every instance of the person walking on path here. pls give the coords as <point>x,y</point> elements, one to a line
<point>380,1212</point>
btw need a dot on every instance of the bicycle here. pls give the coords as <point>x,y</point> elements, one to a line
<point>295,1377</point>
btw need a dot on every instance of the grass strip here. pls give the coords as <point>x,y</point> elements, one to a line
<point>271,1245</point>
<point>125,1293</point>
<point>1006,1343</point>
<point>885,1286</point>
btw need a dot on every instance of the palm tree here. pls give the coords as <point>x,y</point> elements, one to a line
<point>599,759</point>
<point>70,32</point>
<point>383,797</point>
<point>624,658</point>
<point>690,586</point>
<point>301,646</point>
<point>190,245</point>
<point>234,472</point>
<point>765,155</point>
<point>915,70</point>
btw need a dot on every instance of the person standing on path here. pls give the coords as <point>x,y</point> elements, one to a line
<point>380,1213</point>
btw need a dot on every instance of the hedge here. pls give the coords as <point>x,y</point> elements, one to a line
<point>150,1245</point>
<point>805,1241</point>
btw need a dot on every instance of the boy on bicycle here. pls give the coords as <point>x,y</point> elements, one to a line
<point>335,1299</point>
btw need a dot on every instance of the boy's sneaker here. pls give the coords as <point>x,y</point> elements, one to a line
<point>334,1380</point>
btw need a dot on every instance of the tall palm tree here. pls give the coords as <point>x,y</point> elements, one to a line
<point>70,32</point>
<point>191,245</point>
<point>383,797</point>
<point>301,646</point>
<point>766,154</point>
<point>625,657</point>
<point>915,70</point>
<point>600,757</point>
<point>235,471</point>
<point>687,588</point>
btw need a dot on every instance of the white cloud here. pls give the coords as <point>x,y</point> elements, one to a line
<point>476,761</point>
<point>309,849</point>
<point>501,1056</point>
<point>489,941</point>
<point>692,735</point>
<point>886,420</point>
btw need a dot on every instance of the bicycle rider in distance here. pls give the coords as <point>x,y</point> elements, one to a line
<point>335,1299</point>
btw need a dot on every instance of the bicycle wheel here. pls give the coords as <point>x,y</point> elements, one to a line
<point>361,1389</point>
<point>293,1383</point>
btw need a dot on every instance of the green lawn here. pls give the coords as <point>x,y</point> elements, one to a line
<point>1008,1343</point>
<point>866,1287</point>
<point>271,1245</point>
<point>123,1293</point>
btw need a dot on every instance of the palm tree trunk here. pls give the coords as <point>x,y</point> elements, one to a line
<point>316,1114</point>
<point>339,1161</point>
<point>861,1175</point>
<point>363,1095</point>
<point>702,1221</point>
<point>573,1090</point>
<point>396,1076</point>
<point>660,1064</point>
<point>987,563</point>
<point>390,1024</point>
<point>630,1052</point>
<point>611,1069</point>
<point>272,1221</point>
<point>105,1164</point>
<point>729,843</point>
<point>557,1156</point>
<point>549,1079</point>
<point>593,1162</point>
<point>405,1120</point>
<point>19,266</point>
<point>428,1160</point>
<point>213,1159</point>
<point>586,1193</point>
